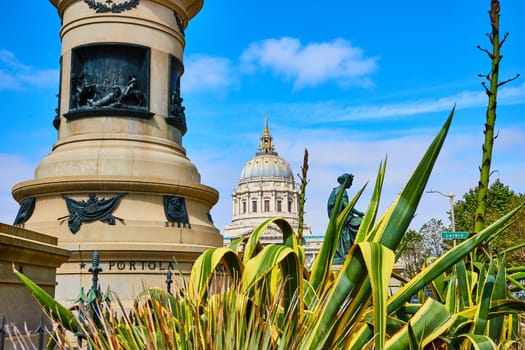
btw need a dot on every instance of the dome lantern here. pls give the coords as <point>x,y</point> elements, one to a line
<point>266,165</point>
<point>266,144</point>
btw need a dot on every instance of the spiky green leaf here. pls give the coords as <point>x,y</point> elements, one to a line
<point>379,262</point>
<point>432,320</point>
<point>56,310</point>
<point>205,266</point>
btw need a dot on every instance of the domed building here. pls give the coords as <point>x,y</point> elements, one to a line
<point>266,189</point>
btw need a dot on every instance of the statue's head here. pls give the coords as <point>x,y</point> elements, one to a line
<point>341,179</point>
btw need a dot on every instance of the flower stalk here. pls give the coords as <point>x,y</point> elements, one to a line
<point>302,196</point>
<point>492,91</point>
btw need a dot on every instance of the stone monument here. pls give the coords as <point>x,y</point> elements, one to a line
<point>118,180</point>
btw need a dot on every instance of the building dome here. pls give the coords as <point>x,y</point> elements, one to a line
<point>266,167</point>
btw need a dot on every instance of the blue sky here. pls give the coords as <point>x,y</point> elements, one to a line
<point>352,81</point>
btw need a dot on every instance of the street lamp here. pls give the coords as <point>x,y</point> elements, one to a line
<point>451,199</point>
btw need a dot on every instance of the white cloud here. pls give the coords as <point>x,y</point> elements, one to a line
<point>8,81</point>
<point>311,64</point>
<point>510,95</point>
<point>8,58</point>
<point>16,169</point>
<point>204,73</point>
<point>15,75</point>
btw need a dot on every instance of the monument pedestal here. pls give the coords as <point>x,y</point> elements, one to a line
<point>118,180</point>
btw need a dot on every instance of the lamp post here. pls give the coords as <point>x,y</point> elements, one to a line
<point>452,217</point>
<point>451,200</point>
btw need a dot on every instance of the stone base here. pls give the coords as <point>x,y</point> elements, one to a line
<point>37,256</point>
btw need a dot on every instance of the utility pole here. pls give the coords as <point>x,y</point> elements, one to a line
<point>452,217</point>
<point>451,200</point>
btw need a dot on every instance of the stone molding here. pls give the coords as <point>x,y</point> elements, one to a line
<point>60,185</point>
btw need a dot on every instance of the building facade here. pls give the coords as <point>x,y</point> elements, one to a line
<point>266,189</point>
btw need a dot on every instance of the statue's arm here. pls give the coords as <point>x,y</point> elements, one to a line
<point>357,212</point>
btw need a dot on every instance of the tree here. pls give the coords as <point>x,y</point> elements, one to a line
<point>500,199</point>
<point>412,253</point>
<point>417,246</point>
<point>431,232</point>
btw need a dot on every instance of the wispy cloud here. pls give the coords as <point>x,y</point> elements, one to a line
<point>338,111</point>
<point>19,169</point>
<point>15,75</point>
<point>510,95</point>
<point>204,73</point>
<point>311,64</point>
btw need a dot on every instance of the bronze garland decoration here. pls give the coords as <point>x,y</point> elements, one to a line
<point>100,7</point>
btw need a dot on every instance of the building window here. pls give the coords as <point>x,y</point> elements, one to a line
<point>266,205</point>
<point>254,206</point>
<point>244,207</point>
<point>289,206</point>
<point>279,205</point>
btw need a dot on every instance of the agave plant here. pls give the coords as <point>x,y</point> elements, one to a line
<point>252,296</point>
<point>351,308</point>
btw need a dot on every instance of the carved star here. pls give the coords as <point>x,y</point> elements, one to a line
<point>82,265</point>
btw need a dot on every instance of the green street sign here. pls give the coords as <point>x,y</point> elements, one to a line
<point>454,235</point>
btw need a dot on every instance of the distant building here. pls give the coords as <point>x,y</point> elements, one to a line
<point>267,189</point>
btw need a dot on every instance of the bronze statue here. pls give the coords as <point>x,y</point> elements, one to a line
<point>351,225</point>
<point>177,116</point>
<point>89,96</point>
<point>176,108</point>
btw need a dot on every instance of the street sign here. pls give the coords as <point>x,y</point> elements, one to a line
<point>454,235</point>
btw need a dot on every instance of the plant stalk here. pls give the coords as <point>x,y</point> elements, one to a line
<point>492,91</point>
<point>302,197</point>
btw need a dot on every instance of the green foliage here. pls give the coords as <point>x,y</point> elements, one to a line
<point>418,247</point>
<point>412,253</point>
<point>431,233</point>
<point>499,200</point>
